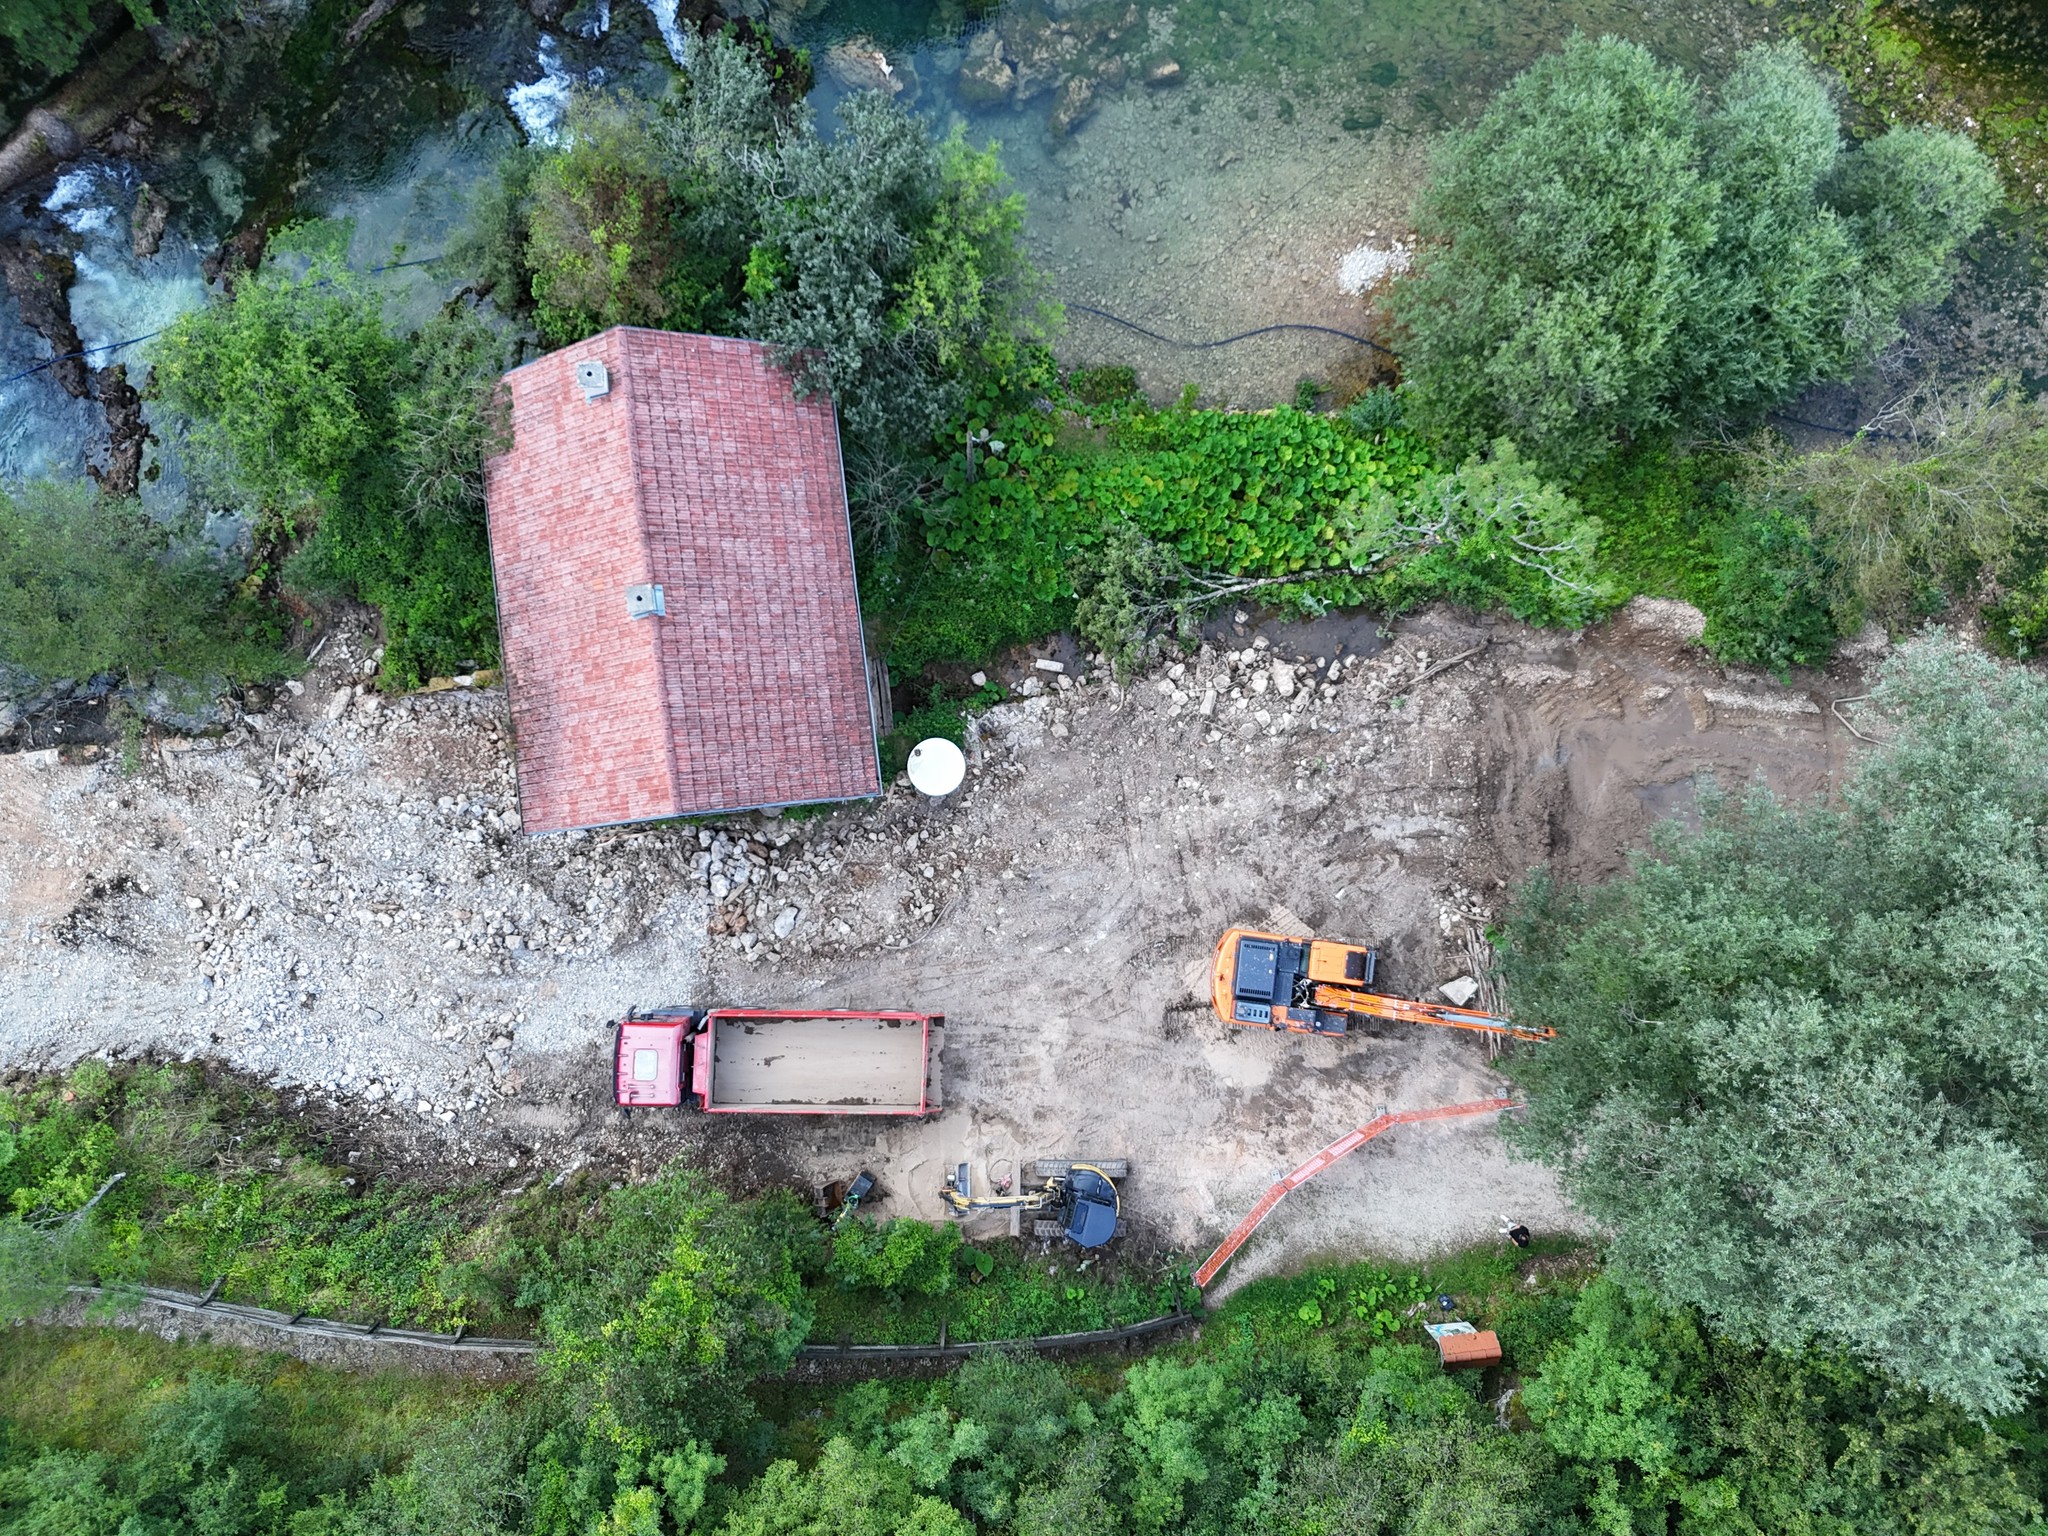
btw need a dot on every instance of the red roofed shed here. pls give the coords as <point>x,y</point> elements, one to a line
<point>656,471</point>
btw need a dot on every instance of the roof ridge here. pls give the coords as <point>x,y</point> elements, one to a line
<point>628,376</point>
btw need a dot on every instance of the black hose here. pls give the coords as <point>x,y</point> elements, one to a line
<point>1203,346</point>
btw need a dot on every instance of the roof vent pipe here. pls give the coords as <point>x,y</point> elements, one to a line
<point>594,379</point>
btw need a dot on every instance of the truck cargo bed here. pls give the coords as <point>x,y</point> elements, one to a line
<point>850,1064</point>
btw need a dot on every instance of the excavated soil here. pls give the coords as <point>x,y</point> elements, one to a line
<point>335,897</point>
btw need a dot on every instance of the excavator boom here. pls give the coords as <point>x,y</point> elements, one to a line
<point>1320,987</point>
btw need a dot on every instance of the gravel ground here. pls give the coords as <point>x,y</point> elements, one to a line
<point>335,897</point>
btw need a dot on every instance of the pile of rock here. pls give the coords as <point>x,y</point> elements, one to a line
<point>1072,56</point>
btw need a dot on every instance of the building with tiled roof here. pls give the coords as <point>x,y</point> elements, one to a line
<point>676,600</point>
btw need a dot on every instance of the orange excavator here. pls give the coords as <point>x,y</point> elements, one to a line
<point>1322,987</point>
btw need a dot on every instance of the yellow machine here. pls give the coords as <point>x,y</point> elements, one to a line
<point>1321,987</point>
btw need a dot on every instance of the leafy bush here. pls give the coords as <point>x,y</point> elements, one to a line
<point>1769,605</point>
<point>1797,1048</point>
<point>1376,412</point>
<point>957,613</point>
<point>679,1297</point>
<point>1152,516</point>
<point>1607,256</point>
<point>903,1255</point>
<point>1111,384</point>
<point>308,411</point>
<point>89,584</point>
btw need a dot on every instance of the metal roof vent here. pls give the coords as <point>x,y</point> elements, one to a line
<point>646,602</point>
<point>594,379</point>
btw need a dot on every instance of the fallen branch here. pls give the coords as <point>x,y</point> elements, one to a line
<point>1445,666</point>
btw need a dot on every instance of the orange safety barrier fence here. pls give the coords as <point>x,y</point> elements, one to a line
<point>1336,1151</point>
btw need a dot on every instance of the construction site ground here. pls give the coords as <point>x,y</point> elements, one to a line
<point>335,897</point>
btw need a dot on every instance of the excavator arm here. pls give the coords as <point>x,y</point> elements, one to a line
<point>1402,1010</point>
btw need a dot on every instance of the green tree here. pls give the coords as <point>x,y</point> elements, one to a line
<point>886,268</point>
<point>599,221</point>
<point>680,1297</point>
<point>1610,256</point>
<point>287,389</point>
<point>90,584</point>
<point>848,1492</point>
<point>1420,1457</point>
<point>1801,1057</point>
<point>1957,511</point>
<point>303,407</point>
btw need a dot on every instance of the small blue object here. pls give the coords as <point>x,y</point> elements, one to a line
<point>1445,1302</point>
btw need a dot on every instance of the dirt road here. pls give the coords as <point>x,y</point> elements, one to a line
<point>338,898</point>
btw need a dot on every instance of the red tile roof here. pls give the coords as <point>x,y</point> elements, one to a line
<point>702,472</point>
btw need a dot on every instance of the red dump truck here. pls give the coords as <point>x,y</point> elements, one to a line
<point>780,1061</point>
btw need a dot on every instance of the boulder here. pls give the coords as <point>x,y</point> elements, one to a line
<point>1040,49</point>
<point>859,64</point>
<point>987,77</point>
<point>1459,990</point>
<point>146,223</point>
<point>1072,106</point>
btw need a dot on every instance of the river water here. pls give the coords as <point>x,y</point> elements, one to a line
<point>1198,168</point>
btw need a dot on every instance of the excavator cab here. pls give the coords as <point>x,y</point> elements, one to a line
<point>1087,1207</point>
<point>1269,981</point>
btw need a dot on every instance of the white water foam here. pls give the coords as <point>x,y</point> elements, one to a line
<point>539,107</point>
<point>678,41</point>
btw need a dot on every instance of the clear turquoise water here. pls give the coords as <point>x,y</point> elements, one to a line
<point>1296,130</point>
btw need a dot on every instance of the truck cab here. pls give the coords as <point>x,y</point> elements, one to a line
<point>651,1058</point>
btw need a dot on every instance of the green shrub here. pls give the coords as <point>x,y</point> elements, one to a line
<point>1111,384</point>
<point>899,1256</point>
<point>1152,517</point>
<point>320,421</point>
<point>1769,605</point>
<point>1607,256</point>
<point>1375,413</point>
<point>957,613</point>
<point>89,584</point>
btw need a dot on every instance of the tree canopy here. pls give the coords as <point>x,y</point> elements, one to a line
<point>1608,253</point>
<point>1802,1065</point>
<point>884,265</point>
<point>90,584</point>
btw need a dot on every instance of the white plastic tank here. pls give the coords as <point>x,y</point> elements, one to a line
<point>936,767</point>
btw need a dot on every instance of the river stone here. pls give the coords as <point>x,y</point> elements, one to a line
<point>1070,108</point>
<point>146,224</point>
<point>987,77</point>
<point>1041,50</point>
<point>859,65</point>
